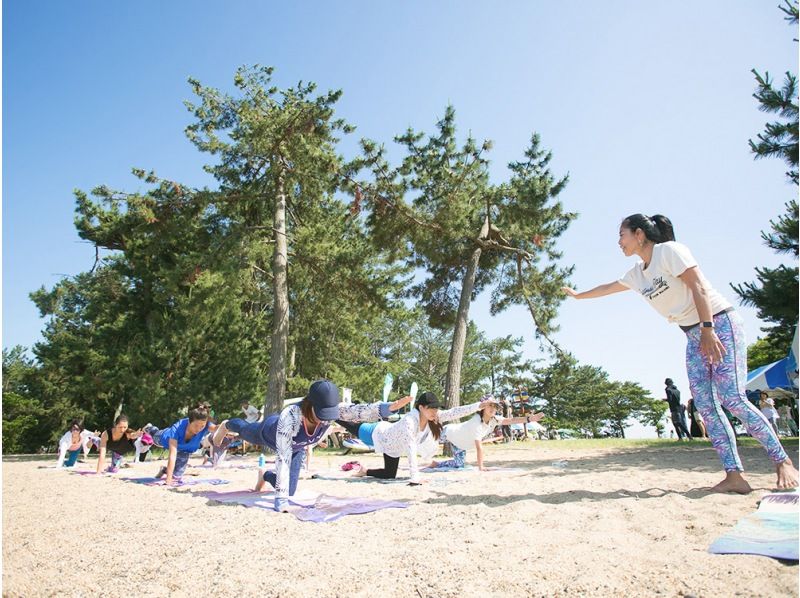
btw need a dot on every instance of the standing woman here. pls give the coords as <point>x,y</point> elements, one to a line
<point>669,278</point>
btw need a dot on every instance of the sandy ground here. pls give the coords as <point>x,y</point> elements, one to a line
<point>612,522</point>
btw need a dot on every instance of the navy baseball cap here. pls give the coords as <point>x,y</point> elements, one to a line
<point>324,398</point>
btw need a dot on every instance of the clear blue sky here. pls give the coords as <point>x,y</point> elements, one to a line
<point>647,105</point>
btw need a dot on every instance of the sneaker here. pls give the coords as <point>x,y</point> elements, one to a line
<point>161,472</point>
<point>112,469</point>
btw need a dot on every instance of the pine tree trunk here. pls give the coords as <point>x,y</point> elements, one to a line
<point>452,389</point>
<point>276,385</point>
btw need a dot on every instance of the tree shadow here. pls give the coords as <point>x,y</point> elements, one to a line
<point>697,458</point>
<point>567,496</point>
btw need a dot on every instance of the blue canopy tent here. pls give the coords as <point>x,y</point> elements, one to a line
<point>769,377</point>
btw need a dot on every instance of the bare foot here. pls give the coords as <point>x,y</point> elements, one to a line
<point>787,475</point>
<point>362,471</point>
<point>733,482</point>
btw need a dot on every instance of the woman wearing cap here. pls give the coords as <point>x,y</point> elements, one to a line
<point>463,436</point>
<point>418,430</point>
<point>120,441</point>
<point>296,427</point>
<point>716,352</point>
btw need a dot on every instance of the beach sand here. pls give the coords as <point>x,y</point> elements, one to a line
<point>574,520</point>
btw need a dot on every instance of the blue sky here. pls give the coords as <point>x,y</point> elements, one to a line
<point>646,105</point>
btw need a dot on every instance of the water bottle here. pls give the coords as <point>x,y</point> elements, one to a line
<point>261,461</point>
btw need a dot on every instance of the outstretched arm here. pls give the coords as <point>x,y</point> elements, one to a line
<point>598,291</point>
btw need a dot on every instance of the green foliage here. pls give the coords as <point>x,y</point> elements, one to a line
<point>775,292</point>
<point>780,138</point>
<point>439,212</point>
<point>765,351</point>
<point>583,397</point>
<point>22,412</point>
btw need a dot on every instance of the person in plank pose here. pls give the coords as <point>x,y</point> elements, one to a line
<point>120,441</point>
<point>463,436</point>
<point>417,431</point>
<point>669,278</point>
<point>181,439</point>
<point>297,426</point>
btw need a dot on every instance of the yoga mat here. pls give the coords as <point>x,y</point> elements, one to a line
<point>229,465</point>
<point>176,483</point>
<point>471,468</point>
<point>319,476</point>
<point>318,508</point>
<point>771,531</point>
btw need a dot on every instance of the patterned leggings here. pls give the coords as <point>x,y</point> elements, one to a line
<point>458,461</point>
<point>723,385</point>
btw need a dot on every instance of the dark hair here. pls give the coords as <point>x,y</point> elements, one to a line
<point>657,228</point>
<point>198,413</point>
<point>307,409</point>
<point>76,423</point>
<point>120,418</point>
<point>435,426</point>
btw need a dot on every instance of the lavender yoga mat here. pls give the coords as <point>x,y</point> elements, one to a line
<point>318,508</point>
<point>161,482</point>
<point>771,531</point>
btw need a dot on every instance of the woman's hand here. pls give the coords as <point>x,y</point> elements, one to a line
<point>570,291</point>
<point>710,346</point>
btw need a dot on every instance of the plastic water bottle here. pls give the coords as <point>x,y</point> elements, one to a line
<point>261,461</point>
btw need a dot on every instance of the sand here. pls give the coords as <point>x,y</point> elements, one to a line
<point>573,521</point>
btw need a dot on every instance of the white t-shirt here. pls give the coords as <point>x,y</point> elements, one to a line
<point>465,434</point>
<point>769,412</point>
<point>660,285</point>
<point>251,414</point>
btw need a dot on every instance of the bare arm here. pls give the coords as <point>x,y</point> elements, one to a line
<point>101,458</point>
<point>173,455</point>
<point>710,345</point>
<point>479,448</point>
<point>598,291</point>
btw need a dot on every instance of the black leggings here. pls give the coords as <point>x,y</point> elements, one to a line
<point>390,464</point>
<point>389,471</point>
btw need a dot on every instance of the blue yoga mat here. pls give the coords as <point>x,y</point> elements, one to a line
<point>771,531</point>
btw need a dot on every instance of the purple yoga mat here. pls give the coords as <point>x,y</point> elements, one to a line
<point>318,508</point>
<point>161,482</point>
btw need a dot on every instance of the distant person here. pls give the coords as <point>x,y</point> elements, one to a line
<point>670,280</point>
<point>696,425</point>
<point>251,414</point>
<point>754,396</point>
<point>785,413</point>
<point>768,409</point>
<point>676,410</point>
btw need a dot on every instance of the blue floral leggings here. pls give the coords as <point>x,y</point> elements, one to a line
<point>723,385</point>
